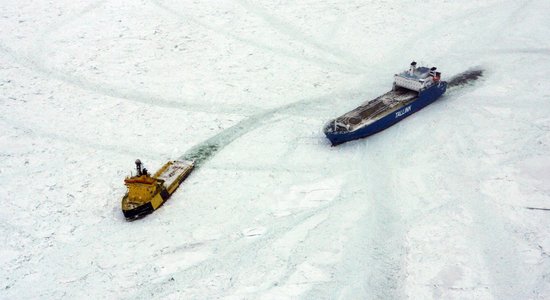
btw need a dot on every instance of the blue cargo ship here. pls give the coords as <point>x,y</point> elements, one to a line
<point>412,90</point>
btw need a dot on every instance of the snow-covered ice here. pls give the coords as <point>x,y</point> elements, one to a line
<point>451,203</point>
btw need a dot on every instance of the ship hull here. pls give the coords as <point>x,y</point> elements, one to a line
<point>146,208</point>
<point>391,117</point>
<point>138,212</point>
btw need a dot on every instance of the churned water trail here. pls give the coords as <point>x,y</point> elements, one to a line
<point>210,147</point>
<point>465,77</point>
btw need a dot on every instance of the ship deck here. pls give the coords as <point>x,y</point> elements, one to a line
<point>174,170</point>
<point>374,110</point>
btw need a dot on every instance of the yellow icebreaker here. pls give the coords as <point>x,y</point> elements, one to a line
<point>146,193</point>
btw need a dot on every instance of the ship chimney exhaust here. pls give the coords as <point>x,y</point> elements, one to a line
<point>138,167</point>
<point>432,72</point>
<point>413,68</point>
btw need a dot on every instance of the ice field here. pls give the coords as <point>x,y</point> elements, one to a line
<point>451,203</point>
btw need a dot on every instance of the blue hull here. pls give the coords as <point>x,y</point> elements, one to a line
<point>424,98</point>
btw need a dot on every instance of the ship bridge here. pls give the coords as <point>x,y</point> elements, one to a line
<point>416,79</point>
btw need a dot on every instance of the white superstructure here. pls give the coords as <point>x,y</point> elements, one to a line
<point>416,79</point>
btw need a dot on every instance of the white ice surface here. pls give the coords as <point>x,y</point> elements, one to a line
<point>448,204</point>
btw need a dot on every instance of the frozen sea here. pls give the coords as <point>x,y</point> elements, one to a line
<point>451,203</point>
